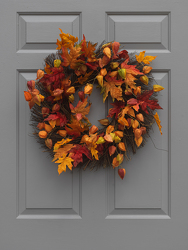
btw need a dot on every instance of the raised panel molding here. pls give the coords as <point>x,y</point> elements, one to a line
<point>41,192</point>
<point>150,31</point>
<point>145,191</point>
<point>39,31</point>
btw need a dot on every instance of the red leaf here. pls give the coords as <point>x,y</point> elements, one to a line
<point>123,54</point>
<point>115,48</point>
<point>77,154</point>
<point>144,101</point>
<point>52,117</point>
<point>116,110</point>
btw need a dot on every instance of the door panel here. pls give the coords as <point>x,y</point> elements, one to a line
<point>82,209</point>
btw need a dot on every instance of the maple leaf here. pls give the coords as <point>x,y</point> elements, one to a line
<point>144,101</point>
<point>146,59</point>
<point>115,48</point>
<point>66,40</point>
<point>93,65</point>
<point>77,152</point>
<point>110,85</point>
<point>84,78</point>
<point>123,54</point>
<point>104,61</point>
<point>129,80</point>
<point>70,58</point>
<point>76,128</point>
<point>116,110</point>
<point>130,69</point>
<point>64,162</point>
<point>81,108</point>
<point>94,152</point>
<point>88,49</point>
<point>156,116</point>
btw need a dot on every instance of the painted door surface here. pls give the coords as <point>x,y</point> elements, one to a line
<point>40,210</point>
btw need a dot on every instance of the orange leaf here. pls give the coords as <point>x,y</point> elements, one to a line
<point>76,127</point>
<point>81,107</point>
<point>146,69</point>
<point>156,116</point>
<point>66,40</point>
<point>84,78</point>
<point>71,57</point>
<point>94,153</point>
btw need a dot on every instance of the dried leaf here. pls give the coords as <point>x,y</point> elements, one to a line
<point>146,59</point>
<point>156,116</point>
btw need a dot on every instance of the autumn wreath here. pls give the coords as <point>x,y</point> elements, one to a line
<point>63,127</point>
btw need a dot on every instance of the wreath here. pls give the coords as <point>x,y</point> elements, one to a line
<point>62,127</point>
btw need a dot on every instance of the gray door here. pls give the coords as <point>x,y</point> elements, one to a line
<point>94,210</point>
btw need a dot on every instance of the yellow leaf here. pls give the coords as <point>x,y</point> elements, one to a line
<point>94,153</point>
<point>146,59</point>
<point>64,161</point>
<point>156,116</point>
<point>66,40</point>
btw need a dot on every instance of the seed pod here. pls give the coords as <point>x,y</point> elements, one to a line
<point>144,79</point>
<point>122,73</point>
<point>42,134</point>
<point>140,117</point>
<point>57,63</point>
<point>48,143</point>
<point>157,88</point>
<point>27,96</point>
<point>121,173</point>
<point>121,146</point>
<point>62,133</point>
